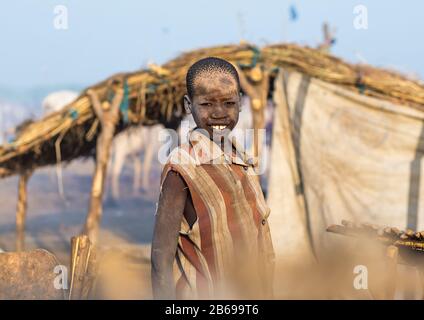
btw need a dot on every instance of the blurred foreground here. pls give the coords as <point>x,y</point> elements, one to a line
<point>126,234</point>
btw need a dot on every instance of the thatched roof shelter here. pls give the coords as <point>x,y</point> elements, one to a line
<point>154,95</point>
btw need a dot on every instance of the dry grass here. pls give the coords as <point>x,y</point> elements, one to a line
<point>155,96</point>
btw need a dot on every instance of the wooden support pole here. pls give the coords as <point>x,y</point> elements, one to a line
<point>83,268</point>
<point>258,96</point>
<point>328,39</point>
<point>109,117</point>
<point>22,209</point>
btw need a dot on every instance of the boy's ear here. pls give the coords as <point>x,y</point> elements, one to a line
<point>187,104</point>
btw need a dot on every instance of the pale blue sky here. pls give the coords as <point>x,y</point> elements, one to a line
<point>105,37</point>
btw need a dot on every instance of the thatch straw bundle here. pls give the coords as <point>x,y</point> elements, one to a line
<point>155,95</point>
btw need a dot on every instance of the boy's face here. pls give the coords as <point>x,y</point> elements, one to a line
<point>215,105</point>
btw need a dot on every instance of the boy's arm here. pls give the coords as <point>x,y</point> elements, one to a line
<point>165,236</point>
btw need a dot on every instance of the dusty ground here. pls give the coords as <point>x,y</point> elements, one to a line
<point>126,233</point>
<point>126,229</point>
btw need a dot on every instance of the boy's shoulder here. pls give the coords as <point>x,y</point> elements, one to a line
<point>182,155</point>
<point>182,161</point>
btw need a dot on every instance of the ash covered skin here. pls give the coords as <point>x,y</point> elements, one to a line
<point>215,105</point>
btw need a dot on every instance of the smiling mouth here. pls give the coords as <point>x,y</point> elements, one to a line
<point>218,127</point>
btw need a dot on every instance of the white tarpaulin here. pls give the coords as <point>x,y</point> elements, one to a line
<point>346,156</point>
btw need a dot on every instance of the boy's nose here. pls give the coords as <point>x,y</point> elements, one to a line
<point>219,112</point>
<point>218,116</point>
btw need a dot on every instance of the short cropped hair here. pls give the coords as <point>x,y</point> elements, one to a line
<point>209,66</point>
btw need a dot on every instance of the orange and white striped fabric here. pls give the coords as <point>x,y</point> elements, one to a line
<point>228,252</point>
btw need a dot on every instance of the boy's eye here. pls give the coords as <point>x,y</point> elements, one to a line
<point>230,103</point>
<point>206,104</point>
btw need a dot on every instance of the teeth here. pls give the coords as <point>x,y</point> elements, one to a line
<point>219,127</point>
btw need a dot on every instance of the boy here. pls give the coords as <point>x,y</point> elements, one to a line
<point>211,238</point>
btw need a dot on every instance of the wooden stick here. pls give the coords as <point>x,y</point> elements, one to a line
<point>350,232</point>
<point>59,172</point>
<point>384,235</point>
<point>82,270</point>
<point>108,119</point>
<point>21,210</point>
<point>410,250</point>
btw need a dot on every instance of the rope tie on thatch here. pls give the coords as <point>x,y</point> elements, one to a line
<point>255,58</point>
<point>151,87</point>
<point>125,103</point>
<point>359,83</point>
<point>73,114</point>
